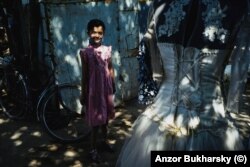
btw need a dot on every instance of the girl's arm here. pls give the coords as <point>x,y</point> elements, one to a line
<point>84,85</point>
<point>112,75</point>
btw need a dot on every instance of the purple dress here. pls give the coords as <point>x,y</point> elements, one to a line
<point>99,103</point>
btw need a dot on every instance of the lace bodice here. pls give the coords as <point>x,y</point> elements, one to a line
<point>199,44</point>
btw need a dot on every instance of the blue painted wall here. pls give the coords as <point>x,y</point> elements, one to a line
<point>64,24</point>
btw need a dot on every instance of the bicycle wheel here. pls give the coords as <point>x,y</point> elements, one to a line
<point>14,93</point>
<point>41,100</point>
<point>62,114</point>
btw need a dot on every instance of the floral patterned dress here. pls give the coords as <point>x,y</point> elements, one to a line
<point>196,39</point>
<point>99,104</point>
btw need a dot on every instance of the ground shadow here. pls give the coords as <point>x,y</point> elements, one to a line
<point>25,143</point>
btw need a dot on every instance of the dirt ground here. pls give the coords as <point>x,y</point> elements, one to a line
<point>25,144</point>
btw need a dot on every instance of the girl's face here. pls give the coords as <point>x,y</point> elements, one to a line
<point>96,35</point>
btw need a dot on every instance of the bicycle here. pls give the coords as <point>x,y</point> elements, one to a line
<point>61,115</point>
<point>14,92</point>
<point>60,119</point>
<point>59,110</point>
<point>13,87</point>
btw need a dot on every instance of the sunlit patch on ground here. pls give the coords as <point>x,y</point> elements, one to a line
<point>30,146</point>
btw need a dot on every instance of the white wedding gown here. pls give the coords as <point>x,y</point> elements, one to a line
<point>190,110</point>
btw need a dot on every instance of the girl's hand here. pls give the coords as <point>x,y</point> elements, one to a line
<point>82,100</point>
<point>113,85</point>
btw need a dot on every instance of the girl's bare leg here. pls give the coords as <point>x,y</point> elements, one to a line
<point>93,153</point>
<point>106,144</point>
<point>105,132</point>
<point>94,137</point>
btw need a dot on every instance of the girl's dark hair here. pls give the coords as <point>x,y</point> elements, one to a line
<point>95,23</point>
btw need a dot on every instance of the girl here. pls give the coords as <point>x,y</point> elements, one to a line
<point>97,84</point>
